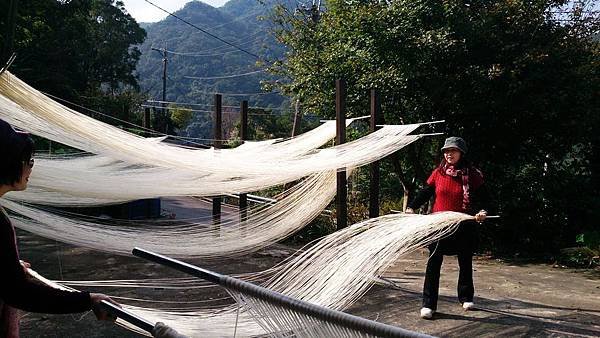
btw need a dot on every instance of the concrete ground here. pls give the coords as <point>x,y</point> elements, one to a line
<point>513,299</point>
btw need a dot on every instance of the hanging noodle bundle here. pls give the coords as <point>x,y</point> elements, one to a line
<point>119,182</point>
<point>119,166</point>
<point>264,226</point>
<point>230,171</point>
<point>335,272</point>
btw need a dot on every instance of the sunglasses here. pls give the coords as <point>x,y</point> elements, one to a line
<point>30,162</point>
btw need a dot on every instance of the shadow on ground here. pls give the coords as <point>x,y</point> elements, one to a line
<point>508,318</point>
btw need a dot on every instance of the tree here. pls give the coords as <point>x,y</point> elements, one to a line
<point>180,117</point>
<point>517,83</point>
<point>78,50</point>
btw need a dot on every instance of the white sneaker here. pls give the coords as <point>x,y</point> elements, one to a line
<point>426,313</point>
<point>468,306</point>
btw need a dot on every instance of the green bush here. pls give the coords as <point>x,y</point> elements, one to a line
<point>590,239</point>
<point>321,226</point>
<point>579,257</point>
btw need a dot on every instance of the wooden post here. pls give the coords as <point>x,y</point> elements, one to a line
<point>244,137</point>
<point>146,122</point>
<point>342,182</point>
<point>374,167</point>
<point>164,91</point>
<point>155,114</point>
<point>217,136</point>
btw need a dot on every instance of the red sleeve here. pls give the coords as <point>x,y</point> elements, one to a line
<point>476,178</point>
<point>433,177</point>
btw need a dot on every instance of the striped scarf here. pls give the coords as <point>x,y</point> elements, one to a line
<point>451,170</point>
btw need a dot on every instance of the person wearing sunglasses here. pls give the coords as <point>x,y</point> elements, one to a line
<point>17,291</point>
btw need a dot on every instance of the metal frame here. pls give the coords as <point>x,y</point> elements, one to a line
<point>128,316</point>
<point>278,299</point>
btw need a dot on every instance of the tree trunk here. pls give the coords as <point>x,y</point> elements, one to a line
<point>407,186</point>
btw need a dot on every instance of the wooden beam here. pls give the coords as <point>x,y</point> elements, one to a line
<point>374,167</point>
<point>342,182</point>
<point>244,137</point>
<point>217,143</point>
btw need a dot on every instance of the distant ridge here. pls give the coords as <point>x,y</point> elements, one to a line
<point>195,54</point>
<point>235,22</point>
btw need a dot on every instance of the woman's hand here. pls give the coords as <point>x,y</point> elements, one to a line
<point>409,211</point>
<point>25,266</point>
<point>162,330</point>
<point>99,310</point>
<point>480,216</point>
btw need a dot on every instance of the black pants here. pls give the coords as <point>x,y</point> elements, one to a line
<point>431,286</point>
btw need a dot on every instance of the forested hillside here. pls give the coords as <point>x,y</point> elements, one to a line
<point>200,65</point>
<point>518,80</point>
<point>81,52</point>
<point>194,54</point>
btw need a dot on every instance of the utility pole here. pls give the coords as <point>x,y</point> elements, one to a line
<point>314,10</point>
<point>164,88</point>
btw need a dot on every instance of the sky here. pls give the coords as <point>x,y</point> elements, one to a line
<point>142,11</point>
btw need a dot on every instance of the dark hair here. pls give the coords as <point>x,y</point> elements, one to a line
<point>16,148</point>
<point>464,162</point>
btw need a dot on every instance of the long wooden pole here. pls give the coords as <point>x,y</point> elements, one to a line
<point>217,136</point>
<point>146,122</point>
<point>374,167</point>
<point>280,301</point>
<point>342,182</point>
<point>244,137</point>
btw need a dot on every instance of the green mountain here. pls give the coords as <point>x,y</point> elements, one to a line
<point>200,65</point>
<point>193,54</point>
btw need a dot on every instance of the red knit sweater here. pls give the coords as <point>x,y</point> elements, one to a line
<point>449,190</point>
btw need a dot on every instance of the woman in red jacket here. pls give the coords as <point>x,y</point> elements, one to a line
<point>17,291</point>
<point>456,186</point>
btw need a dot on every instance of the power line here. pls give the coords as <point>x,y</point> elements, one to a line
<point>222,50</point>
<point>282,113</point>
<point>574,11</point>
<point>137,127</point>
<point>101,114</point>
<point>209,105</point>
<point>224,76</point>
<point>254,14</point>
<point>250,39</point>
<point>202,30</point>
<point>180,103</point>
<point>200,55</point>
<point>183,109</point>
<point>217,26</point>
<point>238,94</point>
